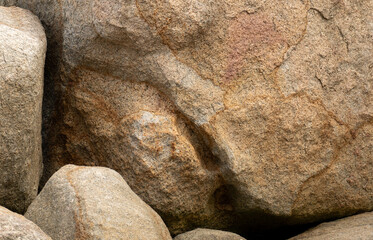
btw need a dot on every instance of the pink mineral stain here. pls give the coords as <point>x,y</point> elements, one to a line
<point>250,36</point>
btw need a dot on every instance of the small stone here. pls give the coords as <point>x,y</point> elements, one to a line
<point>208,234</point>
<point>355,227</point>
<point>84,203</point>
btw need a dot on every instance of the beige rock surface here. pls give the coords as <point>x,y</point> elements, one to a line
<point>355,227</point>
<point>22,54</point>
<point>149,144</point>
<point>208,234</point>
<point>124,121</point>
<point>15,226</point>
<point>268,104</point>
<point>93,203</point>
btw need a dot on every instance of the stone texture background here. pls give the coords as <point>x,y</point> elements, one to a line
<point>216,111</point>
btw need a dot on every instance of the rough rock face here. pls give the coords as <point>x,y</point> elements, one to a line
<point>7,2</point>
<point>208,234</point>
<point>355,227</point>
<point>124,122</point>
<point>148,144</point>
<point>93,203</point>
<point>22,55</point>
<point>250,106</point>
<point>15,226</point>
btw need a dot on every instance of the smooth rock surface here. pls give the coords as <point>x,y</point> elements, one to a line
<point>208,234</point>
<point>14,226</point>
<point>265,104</point>
<point>355,227</point>
<point>22,55</point>
<point>93,203</point>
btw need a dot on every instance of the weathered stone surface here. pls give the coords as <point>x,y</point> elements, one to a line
<point>265,102</point>
<point>208,234</point>
<point>148,143</point>
<point>22,55</point>
<point>93,203</point>
<point>113,117</point>
<point>7,2</point>
<point>15,226</point>
<point>355,227</point>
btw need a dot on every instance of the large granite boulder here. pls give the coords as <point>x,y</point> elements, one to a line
<point>123,122</point>
<point>84,203</point>
<point>355,227</point>
<point>252,108</point>
<point>208,234</point>
<point>22,55</point>
<point>15,226</point>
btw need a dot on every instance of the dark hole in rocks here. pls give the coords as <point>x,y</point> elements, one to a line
<point>256,224</point>
<point>223,199</point>
<point>259,226</point>
<point>280,233</point>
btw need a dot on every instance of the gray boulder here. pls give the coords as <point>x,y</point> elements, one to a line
<point>22,56</point>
